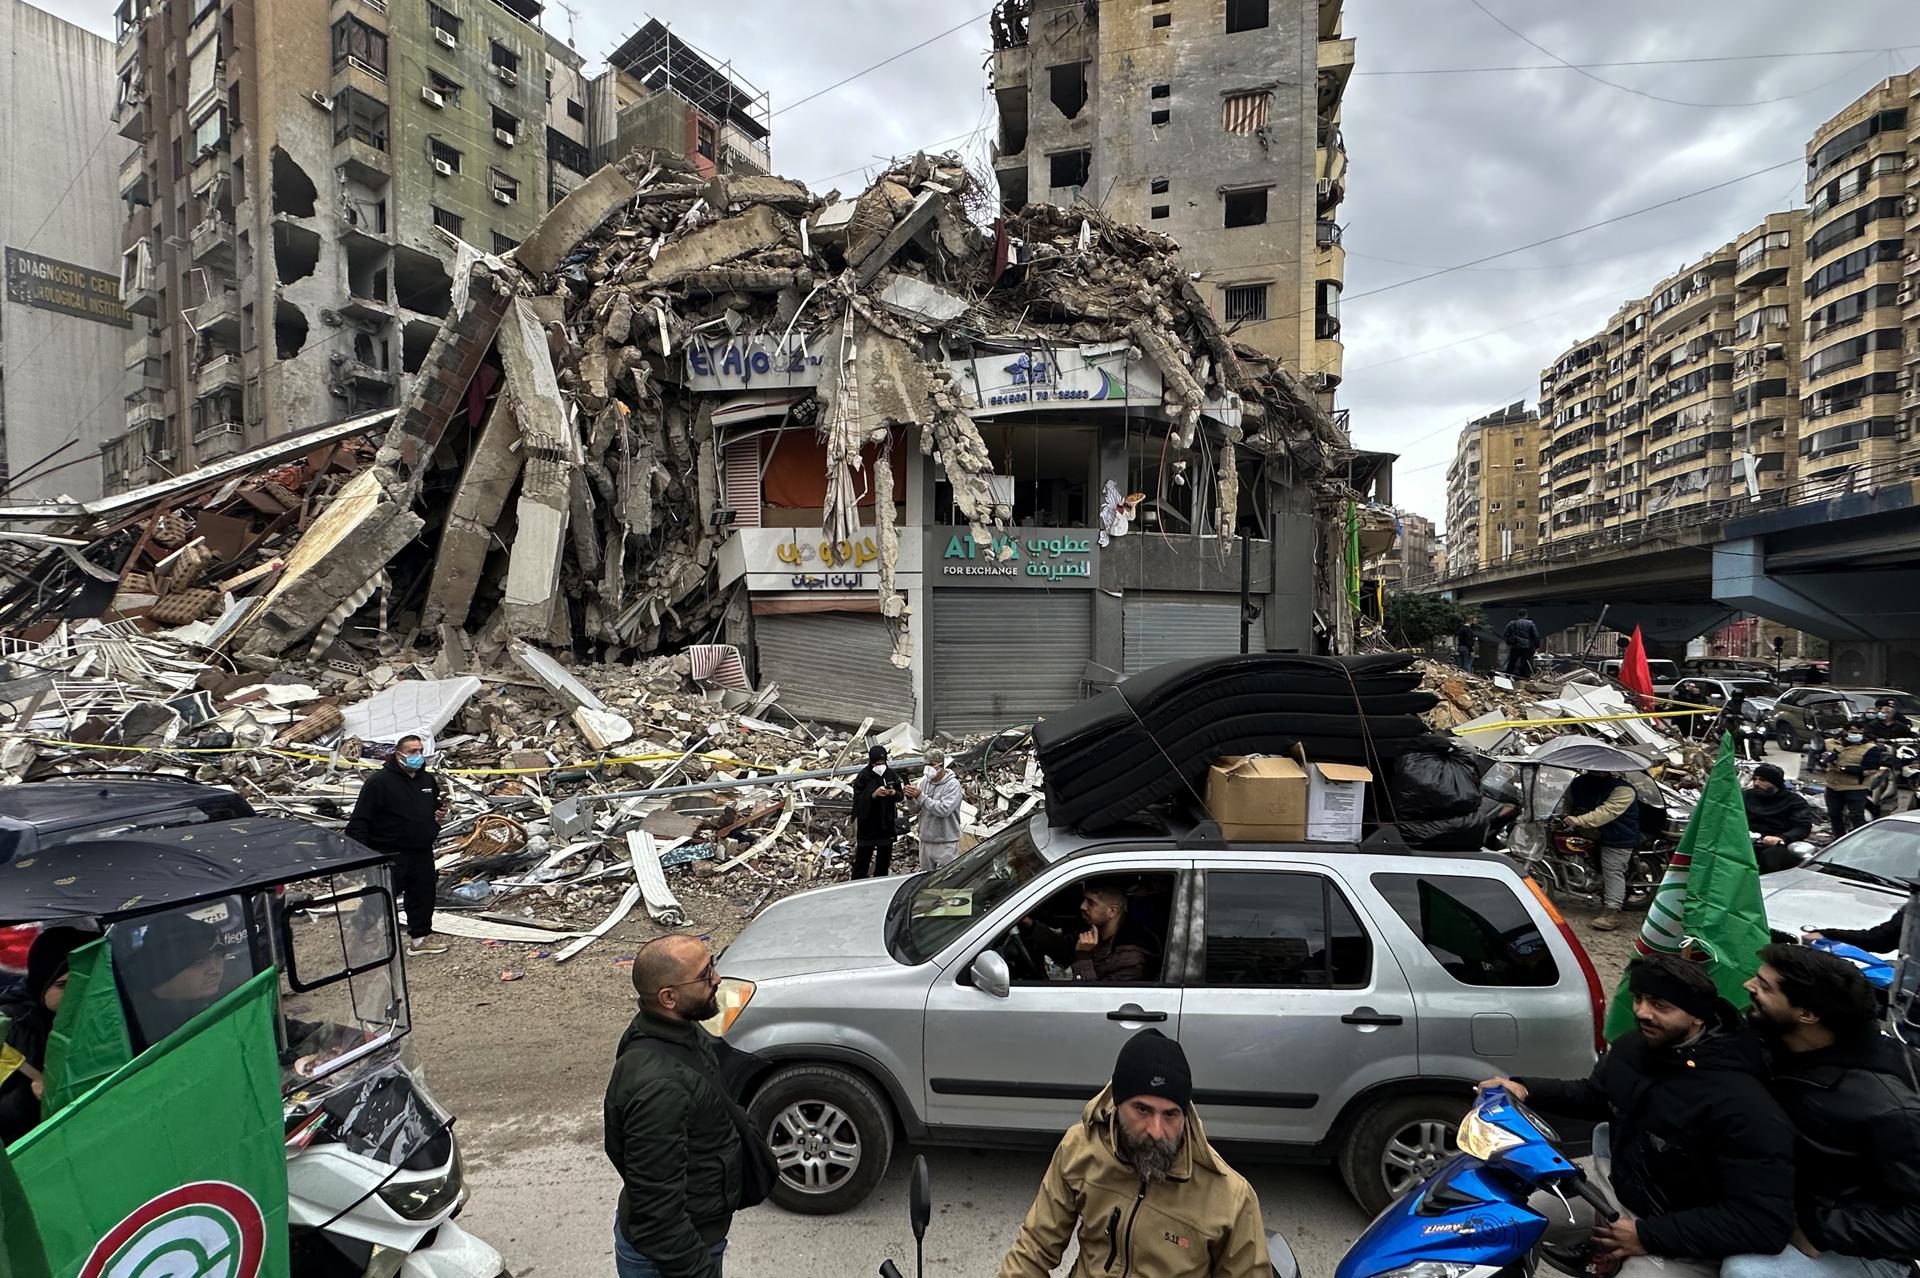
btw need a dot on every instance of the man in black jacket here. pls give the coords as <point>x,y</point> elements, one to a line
<point>876,822</point>
<point>29,1013</point>
<point>1522,638</point>
<point>399,813</point>
<point>1777,815</point>
<point>669,1129</point>
<point>1883,938</point>
<point>1702,1157</point>
<point>1855,1116</point>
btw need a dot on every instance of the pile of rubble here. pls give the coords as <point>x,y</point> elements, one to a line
<point>554,479</point>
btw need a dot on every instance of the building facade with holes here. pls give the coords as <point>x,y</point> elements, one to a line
<point>1109,566</point>
<point>1215,123</point>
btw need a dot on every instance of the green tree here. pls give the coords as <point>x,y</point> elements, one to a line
<point>1416,621</point>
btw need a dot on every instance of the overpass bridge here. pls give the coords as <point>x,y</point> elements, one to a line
<point>1836,556</point>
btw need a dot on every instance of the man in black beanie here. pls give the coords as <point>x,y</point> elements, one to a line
<point>1696,1153</point>
<point>1149,1195</point>
<point>876,826</point>
<point>1778,815</point>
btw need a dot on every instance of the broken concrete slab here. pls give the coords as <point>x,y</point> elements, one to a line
<point>573,219</point>
<point>553,676</point>
<point>760,227</point>
<point>917,219</point>
<point>917,300</point>
<point>422,706</point>
<point>757,188</point>
<point>603,729</point>
<point>551,452</point>
<point>474,516</point>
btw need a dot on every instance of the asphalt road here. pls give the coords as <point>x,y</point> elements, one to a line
<point>548,1207</point>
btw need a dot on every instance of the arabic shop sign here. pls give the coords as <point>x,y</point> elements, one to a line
<point>752,361</point>
<point>1056,557</point>
<point>51,285</point>
<point>1043,378</point>
<point>780,560</point>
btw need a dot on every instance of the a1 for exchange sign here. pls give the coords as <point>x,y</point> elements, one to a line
<point>51,285</point>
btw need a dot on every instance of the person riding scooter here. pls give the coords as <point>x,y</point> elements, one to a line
<point>1606,804</point>
<point>1848,763</point>
<point>1777,816</point>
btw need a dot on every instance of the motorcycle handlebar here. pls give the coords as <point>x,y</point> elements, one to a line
<point>1585,1190</point>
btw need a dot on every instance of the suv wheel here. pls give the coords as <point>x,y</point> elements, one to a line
<point>831,1135</point>
<point>1397,1143</point>
<point>1788,738</point>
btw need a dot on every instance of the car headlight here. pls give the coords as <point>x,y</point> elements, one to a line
<point>1483,1140</point>
<point>1429,1269</point>
<point>732,996</point>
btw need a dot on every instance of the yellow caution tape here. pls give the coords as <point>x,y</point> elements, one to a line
<point>1596,718</point>
<point>725,761</point>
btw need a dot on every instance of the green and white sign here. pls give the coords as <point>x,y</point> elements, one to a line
<point>1038,557</point>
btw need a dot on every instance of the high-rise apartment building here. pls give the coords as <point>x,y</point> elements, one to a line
<point>1492,489</point>
<point>1217,124</point>
<point>1410,562</point>
<point>661,93</point>
<point>63,330</point>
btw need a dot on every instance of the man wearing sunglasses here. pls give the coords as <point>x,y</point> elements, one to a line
<point>670,1126</point>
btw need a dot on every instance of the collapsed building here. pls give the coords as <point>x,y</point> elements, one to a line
<point>913,466</point>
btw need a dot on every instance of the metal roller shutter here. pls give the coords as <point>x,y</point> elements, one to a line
<point>1160,628</point>
<point>1000,657</point>
<point>833,666</point>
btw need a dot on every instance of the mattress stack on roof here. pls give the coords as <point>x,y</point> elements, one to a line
<point>1154,736</point>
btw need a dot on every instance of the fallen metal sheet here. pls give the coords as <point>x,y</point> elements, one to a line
<point>421,706</point>
<point>628,899</point>
<point>483,930</point>
<point>662,906</point>
<point>554,677</point>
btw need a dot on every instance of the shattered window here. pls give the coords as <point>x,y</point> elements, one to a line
<point>1067,87</point>
<point>1246,15</point>
<point>1159,186</point>
<point>1246,208</point>
<point>1073,168</point>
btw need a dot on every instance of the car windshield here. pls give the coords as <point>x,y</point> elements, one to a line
<point>1905,703</point>
<point>1663,670</point>
<point>946,902</point>
<point>1754,687</point>
<point>1883,852</point>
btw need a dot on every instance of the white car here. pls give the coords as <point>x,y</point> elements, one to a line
<point>1858,881</point>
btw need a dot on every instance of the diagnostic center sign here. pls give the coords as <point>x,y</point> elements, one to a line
<point>50,285</point>
<point>1058,557</point>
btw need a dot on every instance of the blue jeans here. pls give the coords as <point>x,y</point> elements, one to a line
<point>628,1263</point>
<point>1464,656</point>
<point>1793,1263</point>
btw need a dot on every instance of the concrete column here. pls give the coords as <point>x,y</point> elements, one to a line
<point>920,477</point>
<point>1286,616</point>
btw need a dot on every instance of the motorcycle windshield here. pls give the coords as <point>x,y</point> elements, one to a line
<point>342,985</point>
<point>376,1107</point>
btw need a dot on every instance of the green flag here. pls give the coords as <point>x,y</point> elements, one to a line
<point>89,1041</point>
<point>1708,903</point>
<point>22,1256</point>
<point>175,1165</point>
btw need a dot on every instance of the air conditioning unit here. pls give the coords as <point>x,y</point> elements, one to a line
<point>1912,204</point>
<point>431,98</point>
<point>1323,188</point>
<point>325,103</point>
<point>444,36</point>
<point>503,137</point>
<point>1780,431</point>
<point>1905,294</point>
<point>506,75</point>
<point>443,168</point>
<point>501,197</point>
<point>1911,162</point>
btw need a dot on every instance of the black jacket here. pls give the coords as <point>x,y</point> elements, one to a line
<point>670,1135</point>
<point>1856,1121</point>
<point>875,818</point>
<point>1781,813</point>
<point>1521,633</point>
<point>1466,637</point>
<point>1702,1155</point>
<point>1883,939</point>
<point>395,811</point>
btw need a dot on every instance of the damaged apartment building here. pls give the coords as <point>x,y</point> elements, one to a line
<point>1217,124</point>
<point>912,468</point>
<point>298,175</point>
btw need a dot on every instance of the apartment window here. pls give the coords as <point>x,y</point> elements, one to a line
<point>447,221</point>
<point>1326,309</point>
<point>1246,208</point>
<point>505,122</point>
<point>1161,116</point>
<point>1161,20</point>
<point>706,140</point>
<point>440,84</point>
<point>1159,211</point>
<point>1069,168</point>
<point>1246,15</point>
<point>504,244</point>
<point>1244,302</point>
<point>505,189</point>
<point>1162,91</point>
<point>1067,87</point>
<point>1157,187</point>
<point>354,39</point>
<point>504,58</point>
<point>444,154</point>
<point>575,111</point>
<point>443,23</point>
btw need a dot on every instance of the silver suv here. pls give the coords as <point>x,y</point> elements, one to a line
<point>1336,1001</point>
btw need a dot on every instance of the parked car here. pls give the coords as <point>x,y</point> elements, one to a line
<point>1758,694</point>
<point>1726,667</point>
<point>43,814</point>
<point>1664,673</point>
<point>1337,999</point>
<point>1857,881</point>
<point>1800,715</point>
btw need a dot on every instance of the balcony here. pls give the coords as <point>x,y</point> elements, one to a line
<point>144,408</point>
<point>221,373</point>
<point>351,75</point>
<point>1336,66</point>
<point>215,91</point>
<point>362,154</point>
<point>1010,67</point>
<point>133,178</point>
<point>131,114</point>
<point>371,12</point>
<point>222,439</point>
<point>219,315</point>
<point>208,165</point>
<point>1326,234</point>
<point>141,349</point>
<point>1763,268</point>
<point>143,298</point>
<point>213,243</point>
<point>370,310</point>
<point>350,371</point>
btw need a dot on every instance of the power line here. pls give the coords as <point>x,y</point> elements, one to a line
<point>884,61</point>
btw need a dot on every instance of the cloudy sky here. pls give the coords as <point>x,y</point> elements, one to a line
<point>1447,168</point>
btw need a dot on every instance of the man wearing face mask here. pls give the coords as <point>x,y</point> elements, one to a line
<point>399,813</point>
<point>876,802</point>
<point>1850,763</point>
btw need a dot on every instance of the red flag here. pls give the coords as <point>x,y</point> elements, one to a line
<point>1634,673</point>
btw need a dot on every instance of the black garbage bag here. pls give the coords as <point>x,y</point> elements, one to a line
<point>1435,779</point>
<point>1466,832</point>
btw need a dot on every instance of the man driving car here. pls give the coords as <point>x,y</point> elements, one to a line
<point>1111,947</point>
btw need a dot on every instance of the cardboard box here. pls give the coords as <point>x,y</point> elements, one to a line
<point>1336,801</point>
<point>1258,800</point>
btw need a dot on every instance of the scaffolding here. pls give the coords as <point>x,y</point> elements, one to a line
<point>665,63</point>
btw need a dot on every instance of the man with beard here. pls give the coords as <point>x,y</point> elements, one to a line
<point>1778,815</point>
<point>670,1129</point>
<point>1855,1116</point>
<point>1701,1156</point>
<point>1112,948</point>
<point>1150,1196</point>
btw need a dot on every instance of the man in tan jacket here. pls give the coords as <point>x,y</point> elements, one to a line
<point>1150,1196</point>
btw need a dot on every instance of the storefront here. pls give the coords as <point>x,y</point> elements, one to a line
<point>1167,626</point>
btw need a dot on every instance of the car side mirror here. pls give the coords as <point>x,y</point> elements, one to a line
<point>1802,850</point>
<point>990,973</point>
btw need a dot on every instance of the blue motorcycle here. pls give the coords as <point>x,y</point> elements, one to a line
<point>1472,1218</point>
